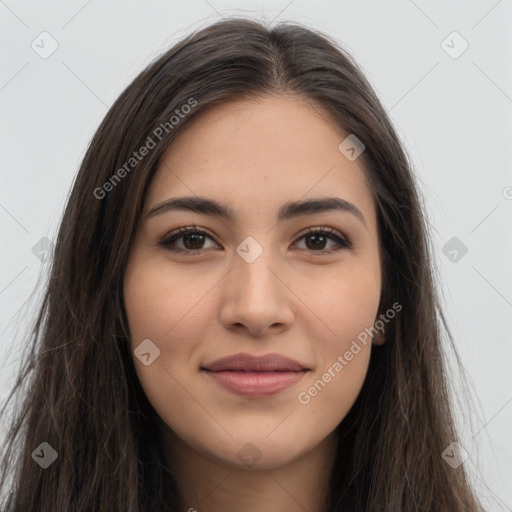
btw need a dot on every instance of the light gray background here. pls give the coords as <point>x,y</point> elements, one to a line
<point>454,115</point>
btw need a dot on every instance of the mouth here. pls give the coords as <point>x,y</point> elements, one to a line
<point>255,376</point>
<point>256,383</point>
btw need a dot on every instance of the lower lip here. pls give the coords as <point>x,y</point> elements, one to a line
<point>256,383</point>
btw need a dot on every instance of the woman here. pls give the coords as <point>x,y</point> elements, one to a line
<point>241,313</point>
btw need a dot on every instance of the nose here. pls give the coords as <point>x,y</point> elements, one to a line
<point>256,297</point>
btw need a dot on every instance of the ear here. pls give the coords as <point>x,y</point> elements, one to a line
<point>379,338</point>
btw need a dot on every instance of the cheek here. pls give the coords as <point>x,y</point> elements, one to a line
<point>162,304</point>
<point>344,305</point>
<point>347,310</point>
<point>166,308</point>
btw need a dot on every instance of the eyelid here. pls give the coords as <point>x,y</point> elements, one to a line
<point>334,233</point>
<point>183,230</point>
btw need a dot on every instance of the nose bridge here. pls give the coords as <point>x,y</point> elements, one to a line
<point>254,296</point>
<point>252,272</point>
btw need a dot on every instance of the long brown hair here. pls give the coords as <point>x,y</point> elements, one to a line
<point>82,394</point>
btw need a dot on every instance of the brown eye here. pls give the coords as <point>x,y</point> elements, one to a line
<point>317,238</point>
<point>193,240</point>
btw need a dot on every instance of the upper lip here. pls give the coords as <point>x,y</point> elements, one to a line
<point>248,363</point>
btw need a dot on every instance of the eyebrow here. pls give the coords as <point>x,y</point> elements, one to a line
<point>289,210</point>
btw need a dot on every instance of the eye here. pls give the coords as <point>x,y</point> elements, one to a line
<point>319,236</point>
<point>193,238</point>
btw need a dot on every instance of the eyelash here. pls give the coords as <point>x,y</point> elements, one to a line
<point>167,242</point>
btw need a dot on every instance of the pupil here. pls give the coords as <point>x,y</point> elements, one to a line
<point>317,238</point>
<point>196,239</point>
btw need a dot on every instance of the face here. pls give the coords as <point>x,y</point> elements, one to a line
<point>253,283</point>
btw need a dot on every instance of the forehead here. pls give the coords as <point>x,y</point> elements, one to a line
<point>256,154</point>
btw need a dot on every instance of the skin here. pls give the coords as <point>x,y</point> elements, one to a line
<point>254,156</point>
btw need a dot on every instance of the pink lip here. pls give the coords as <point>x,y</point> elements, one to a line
<point>255,376</point>
<point>247,363</point>
<point>256,383</point>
